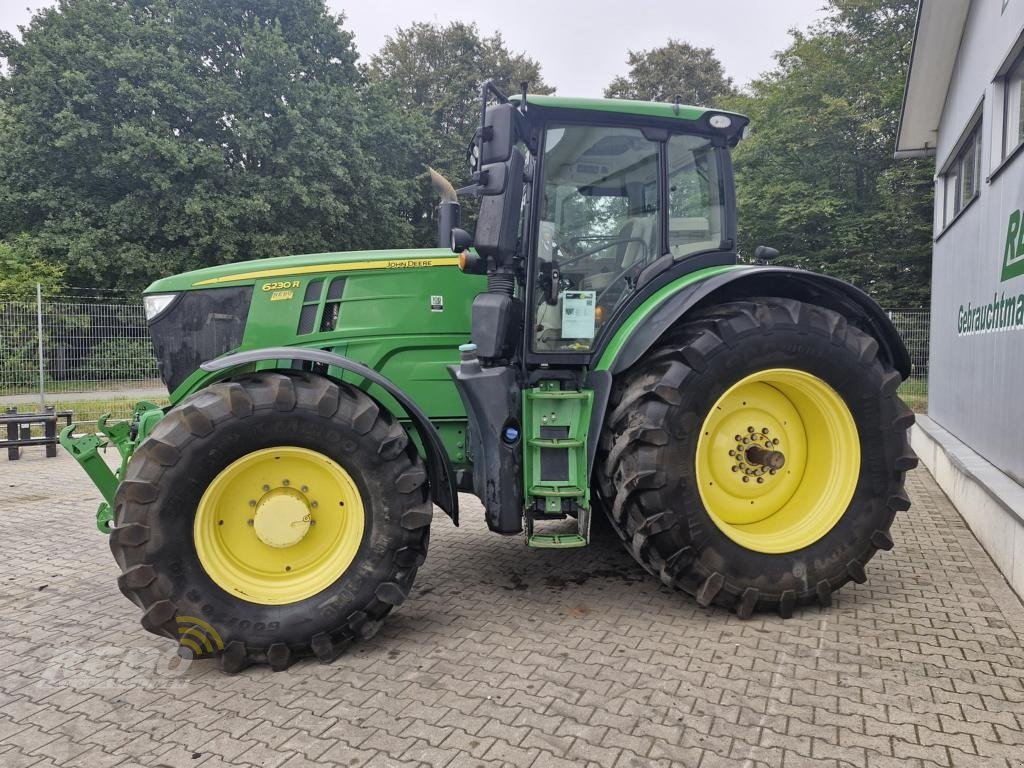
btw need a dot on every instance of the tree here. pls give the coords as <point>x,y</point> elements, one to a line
<point>436,72</point>
<point>676,69</point>
<point>144,137</point>
<point>817,178</point>
<point>21,270</point>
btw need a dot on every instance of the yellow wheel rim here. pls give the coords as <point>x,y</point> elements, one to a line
<point>279,525</point>
<point>778,458</point>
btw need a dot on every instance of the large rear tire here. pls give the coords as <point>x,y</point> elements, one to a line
<point>271,518</point>
<point>756,459</point>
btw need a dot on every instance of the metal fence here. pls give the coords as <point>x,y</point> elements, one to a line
<point>914,325</point>
<point>87,352</point>
<point>90,353</point>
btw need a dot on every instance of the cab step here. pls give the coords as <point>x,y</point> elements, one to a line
<point>556,541</point>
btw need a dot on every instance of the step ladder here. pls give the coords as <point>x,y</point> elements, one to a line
<point>555,463</point>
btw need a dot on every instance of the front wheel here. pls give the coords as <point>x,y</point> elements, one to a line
<point>271,518</point>
<point>756,459</point>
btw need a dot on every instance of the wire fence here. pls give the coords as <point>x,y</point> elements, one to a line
<point>914,327</point>
<point>85,353</point>
<point>90,353</point>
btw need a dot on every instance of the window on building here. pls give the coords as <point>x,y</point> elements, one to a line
<point>1013,108</point>
<point>962,177</point>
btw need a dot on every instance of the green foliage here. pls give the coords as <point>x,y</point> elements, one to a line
<point>21,269</point>
<point>111,356</point>
<point>146,137</point>
<point>693,74</point>
<point>817,178</point>
<point>435,72</point>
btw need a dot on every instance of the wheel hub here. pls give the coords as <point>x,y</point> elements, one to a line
<point>282,518</point>
<point>756,455</point>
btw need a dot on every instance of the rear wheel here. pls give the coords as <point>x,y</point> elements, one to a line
<point>757,458</point>
<point>271,518</point>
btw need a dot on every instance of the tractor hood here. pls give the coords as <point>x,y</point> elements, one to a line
<point>351,303</point>
<point>248,272</point>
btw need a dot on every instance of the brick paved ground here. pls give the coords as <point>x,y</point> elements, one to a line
<point>506,656</point>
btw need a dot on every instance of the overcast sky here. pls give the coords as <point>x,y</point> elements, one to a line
<point>580,44</point>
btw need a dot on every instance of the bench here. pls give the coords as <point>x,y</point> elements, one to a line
<point>19,430</point>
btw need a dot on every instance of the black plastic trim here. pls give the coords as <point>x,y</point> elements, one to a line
<point>441,476</point>
<point>600,382</point>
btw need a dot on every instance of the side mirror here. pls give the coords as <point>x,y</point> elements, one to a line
<point>497,224</point>
<point>765,253</point>
<point>460,240</point>
<point>499,135</point>
<point>493,179</point>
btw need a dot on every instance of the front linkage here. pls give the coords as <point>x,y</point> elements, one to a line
<point>123,435</point>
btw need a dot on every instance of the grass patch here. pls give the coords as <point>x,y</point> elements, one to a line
<point>914,393</point>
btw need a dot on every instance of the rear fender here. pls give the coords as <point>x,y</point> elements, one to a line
<point>633,340</point>
<point>440,475</point>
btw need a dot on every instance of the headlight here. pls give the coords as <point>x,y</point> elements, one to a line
<point>154,305</point>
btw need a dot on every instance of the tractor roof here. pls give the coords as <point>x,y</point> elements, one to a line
<point>655,110</point>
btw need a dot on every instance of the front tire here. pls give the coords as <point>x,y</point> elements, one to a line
<point>271,518</point>
<point>805,394</point>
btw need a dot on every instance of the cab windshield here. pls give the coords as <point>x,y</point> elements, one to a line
<point>601,222</point>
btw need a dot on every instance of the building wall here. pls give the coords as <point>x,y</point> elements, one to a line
<point>976,382</point>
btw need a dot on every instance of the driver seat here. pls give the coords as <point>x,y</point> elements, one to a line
<point>637,232</point>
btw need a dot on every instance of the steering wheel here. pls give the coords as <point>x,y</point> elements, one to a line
<point>569,245</point>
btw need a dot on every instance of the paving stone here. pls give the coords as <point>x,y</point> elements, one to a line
<point>509,656</point>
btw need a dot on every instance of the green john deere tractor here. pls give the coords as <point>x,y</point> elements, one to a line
<point>594,345</point>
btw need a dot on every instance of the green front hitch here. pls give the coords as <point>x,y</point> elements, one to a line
<point>86,451</point>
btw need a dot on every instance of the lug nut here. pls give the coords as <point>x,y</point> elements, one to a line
<point>252,502</point>
<point>285,482</point>
<point>775,441</point>
<point>304,488</point>
<point>750,430</point>
<point>266,488</point>
<point>760,479</point>
<point>313,504</point>
<point>746,479</point>
<point>250,522</point>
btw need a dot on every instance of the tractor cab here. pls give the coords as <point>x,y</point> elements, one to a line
<point>584,202</point>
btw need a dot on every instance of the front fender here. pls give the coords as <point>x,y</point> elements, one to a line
<point>439,471</point>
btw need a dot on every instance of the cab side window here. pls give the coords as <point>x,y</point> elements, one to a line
<point>599,225</point>
<point>695,206</point>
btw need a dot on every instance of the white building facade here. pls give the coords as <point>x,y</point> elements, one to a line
<point>964,106</point>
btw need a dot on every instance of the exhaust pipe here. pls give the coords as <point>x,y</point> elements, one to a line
<point>447,211</point>
<point>447,220</point>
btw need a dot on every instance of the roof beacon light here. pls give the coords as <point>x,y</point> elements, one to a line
<point>720,121</point>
